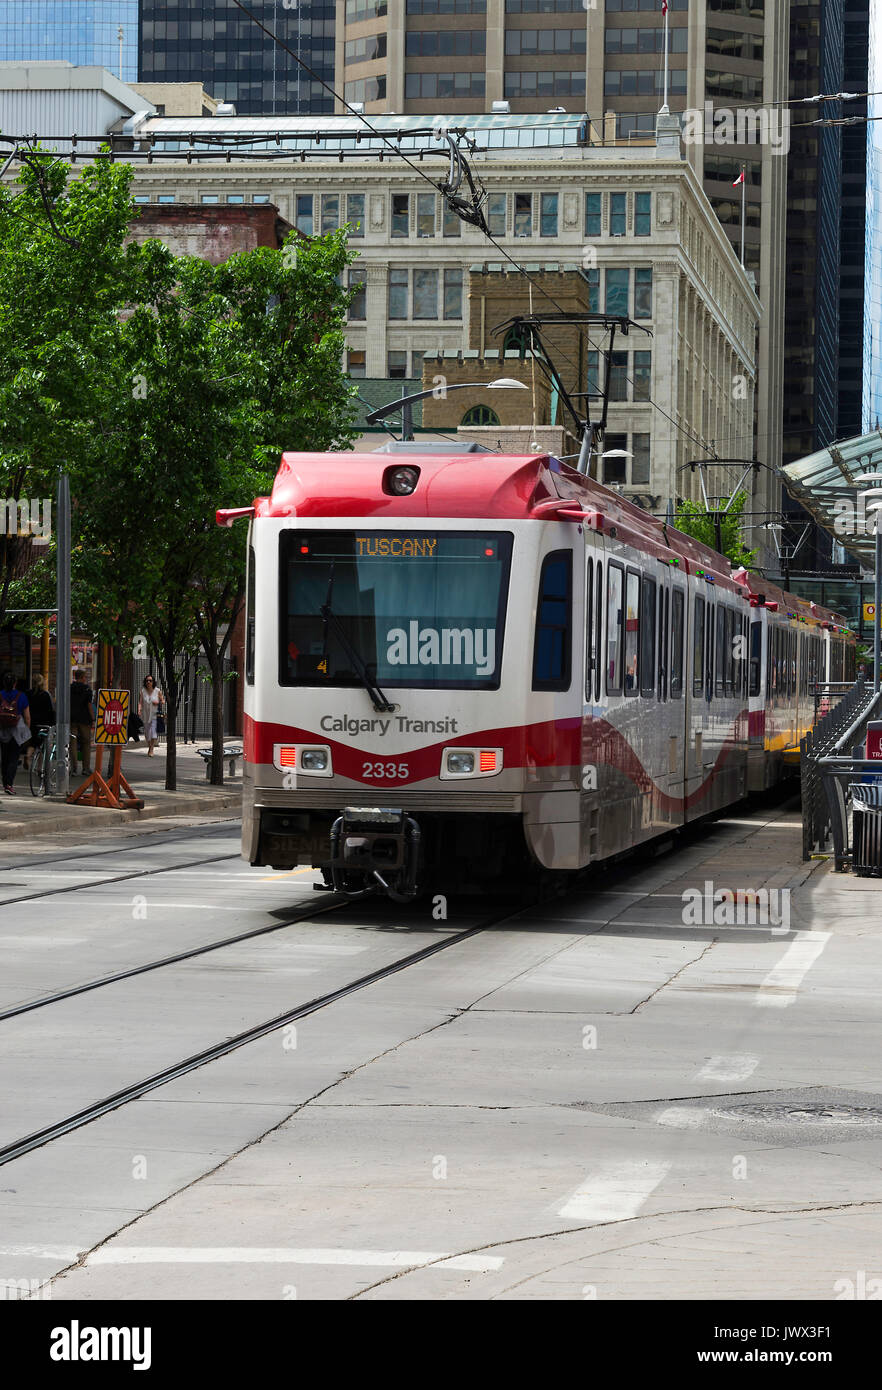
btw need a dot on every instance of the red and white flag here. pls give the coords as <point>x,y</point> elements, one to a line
<point>664,6</point>
<point>740,179</point>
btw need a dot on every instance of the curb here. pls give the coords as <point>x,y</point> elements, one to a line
<point>81,817</point>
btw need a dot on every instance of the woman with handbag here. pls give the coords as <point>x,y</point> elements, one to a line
<point>150,712</point>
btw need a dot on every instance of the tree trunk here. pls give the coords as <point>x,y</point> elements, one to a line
<point>171,722</point>
<point>217,717</point>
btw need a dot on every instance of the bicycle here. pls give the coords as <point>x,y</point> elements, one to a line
<point>44,758</point>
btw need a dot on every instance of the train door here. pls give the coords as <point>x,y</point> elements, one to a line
<point>678,701</point>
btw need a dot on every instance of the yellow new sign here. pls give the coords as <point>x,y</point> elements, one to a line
<point>112,722</point>
<point>869,612</point>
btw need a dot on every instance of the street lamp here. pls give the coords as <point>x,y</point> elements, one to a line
<point>873,503</point>
<point>503,383</point>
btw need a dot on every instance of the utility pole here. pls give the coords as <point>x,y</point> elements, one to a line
<point>62,649</point>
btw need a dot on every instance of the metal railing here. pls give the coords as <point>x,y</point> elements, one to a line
<point>854,705</point>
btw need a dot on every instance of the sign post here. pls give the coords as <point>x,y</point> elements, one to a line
<point>111,730</point>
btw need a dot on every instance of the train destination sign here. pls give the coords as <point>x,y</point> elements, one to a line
<point>112,717</point>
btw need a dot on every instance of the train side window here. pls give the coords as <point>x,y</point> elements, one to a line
<point>554,620</point>
<point>677,644</point>
<point>730,651</point>
<point>615,583</point>
<point>664,614</point>
<point>721,649</point>
<point>709,650</point>
<point>632,632</point>
<point>249,620</point>
<point>590,652</point>
<point>756,638</point>
<point>647,638</point>
<point>598,635</point>
<point>698,648</point>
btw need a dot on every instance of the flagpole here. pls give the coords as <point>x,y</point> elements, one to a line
<point>743,196</point>
<point>665,101</point>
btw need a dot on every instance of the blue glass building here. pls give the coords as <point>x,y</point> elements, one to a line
<point>872,396</point>
<point>85,32</point>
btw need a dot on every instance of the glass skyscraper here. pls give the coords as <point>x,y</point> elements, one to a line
<point>85,32</point>
<point>213,42</point>
<point>872,405</point>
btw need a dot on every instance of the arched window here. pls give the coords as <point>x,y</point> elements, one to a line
<point>516,340</point>
<point>480,415</point>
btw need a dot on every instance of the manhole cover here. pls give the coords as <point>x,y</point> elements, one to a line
<point>816,1114</point>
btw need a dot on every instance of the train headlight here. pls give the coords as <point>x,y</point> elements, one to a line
<point>294,758</point>
<point>314,760</point>
<point>460,764</point>
<point>401,482</point>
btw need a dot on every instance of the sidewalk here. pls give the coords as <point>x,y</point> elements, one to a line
<point>23,815</point>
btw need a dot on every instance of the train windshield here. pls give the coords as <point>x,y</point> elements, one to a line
<point>405,608</point>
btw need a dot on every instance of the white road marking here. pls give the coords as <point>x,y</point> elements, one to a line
<point>681,1117</point>
<point>737,1067</point>
<point>64,1253</point>
<point>165,1255</point>
<point>614,1192</point>
<point>41,940</point>
<point>780,986</point>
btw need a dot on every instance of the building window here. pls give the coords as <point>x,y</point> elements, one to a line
<point>355,214</point>
<point>595,381</point>
<point>358,304</point>
<point>357,10</point>
<point>398,294</point>
<point>425,294</point>
<point>530,41</point>
<point>355,362</point>
<point>548,214</point>
<point>366,50</point>
<point>166,198</point>
<point>396,364</point>
<point>737,85</point>
<point>618,217</point>
<point>401,214</point>
<point>428,85</point>
<point>303,213</point>
<point>615,461</point>
<point>544,6</point>
<point>593,226</point>
<point>536,85</point>
<point>235,197</point>
<point>145,198</point>
<point>330,212</point>
<point>618,377</point>
<point>641,124</point>
<point>643,292</point>
<point>645,40</point>
<point>640,472</point>
<point>643,214</point>
<point>260,198</point>
<point>366,89</point>
<point>453,294</point>
<point>523,215</point>
<point>496,209</point>
<point>480,415</point>
<point>446,6</point>
<point>425,217</point>
<point>416,364</point>
<point>593,278</point>
<point>617,282</point>
<point>452,223</point>
<point>445,43</point>
<point>206,198</point>
<point>642,375</point>
<point>644,82</point>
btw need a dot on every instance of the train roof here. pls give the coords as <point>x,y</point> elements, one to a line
<point>503,487</point>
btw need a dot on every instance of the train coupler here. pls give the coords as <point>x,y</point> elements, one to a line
<point>375,849</point>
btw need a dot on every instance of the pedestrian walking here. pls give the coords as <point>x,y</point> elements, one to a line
<point>42,715</point>
<point>82,717</point>
<point>150,712</point>
<point>15,723</point>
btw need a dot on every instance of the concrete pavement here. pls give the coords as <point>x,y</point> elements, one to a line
<point>594,1100</point>
<point>24,816</point>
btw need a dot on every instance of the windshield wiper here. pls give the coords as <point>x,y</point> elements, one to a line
<point>378,699</point>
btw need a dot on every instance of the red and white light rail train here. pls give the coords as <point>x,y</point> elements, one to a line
<point>462,666</point>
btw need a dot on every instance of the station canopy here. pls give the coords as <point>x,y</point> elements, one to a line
<point>824,482</point>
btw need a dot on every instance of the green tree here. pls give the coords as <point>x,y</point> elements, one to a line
<point>219,368</point>
<point>694,521</point>
<point>64,275</point>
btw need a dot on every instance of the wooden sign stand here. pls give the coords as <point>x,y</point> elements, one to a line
<point>95,791</point>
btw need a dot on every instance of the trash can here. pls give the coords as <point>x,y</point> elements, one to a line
<point>866,805</point>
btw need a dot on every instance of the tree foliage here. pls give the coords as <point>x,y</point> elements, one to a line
<point>694,521</point>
